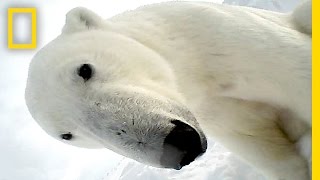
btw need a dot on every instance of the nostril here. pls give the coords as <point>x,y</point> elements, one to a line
<point>85,71</point>
<point>67,136</point>
<point>183,143</point>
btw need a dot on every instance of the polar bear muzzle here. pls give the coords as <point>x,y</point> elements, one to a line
<point>151,130</point>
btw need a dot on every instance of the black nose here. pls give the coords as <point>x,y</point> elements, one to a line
<point>181,146</point>
<point>67,136</point>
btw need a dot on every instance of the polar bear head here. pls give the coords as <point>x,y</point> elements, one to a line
<point>93,87</point>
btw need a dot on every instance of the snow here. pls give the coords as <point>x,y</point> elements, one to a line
<point>217,163</point>
<point>28,153</point>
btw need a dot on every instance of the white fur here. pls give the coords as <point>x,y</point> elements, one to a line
<point>302,16</point>
<point>245,74</point>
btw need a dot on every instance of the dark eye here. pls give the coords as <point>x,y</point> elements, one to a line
<point>85,71</point>
<point>67,136</point>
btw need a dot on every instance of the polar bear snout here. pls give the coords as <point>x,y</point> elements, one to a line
<point>181,146</point>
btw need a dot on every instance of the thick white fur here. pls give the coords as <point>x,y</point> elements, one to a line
<point>302,16</point>
<point>244,73</point>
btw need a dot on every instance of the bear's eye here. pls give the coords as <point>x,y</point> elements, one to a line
<point>67,136</point>
<point>85,71</point>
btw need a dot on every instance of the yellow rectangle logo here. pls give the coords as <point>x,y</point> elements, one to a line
<point>33,12</point>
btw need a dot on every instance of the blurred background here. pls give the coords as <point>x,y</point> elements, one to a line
<point>28,153</point>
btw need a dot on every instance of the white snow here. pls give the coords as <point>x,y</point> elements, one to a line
<point>217,163</point>
<point>28,153</point>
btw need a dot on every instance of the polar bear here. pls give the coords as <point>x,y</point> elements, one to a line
<point>153,83</point>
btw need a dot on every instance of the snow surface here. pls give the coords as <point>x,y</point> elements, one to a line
<point>28,153</point>
<point>217,163</point>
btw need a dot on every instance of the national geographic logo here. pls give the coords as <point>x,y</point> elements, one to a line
<point>12,44</point>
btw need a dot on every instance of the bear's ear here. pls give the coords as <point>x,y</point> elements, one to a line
<point>302,17</point>
<point>81,19</point>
